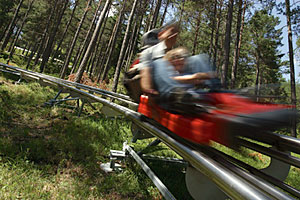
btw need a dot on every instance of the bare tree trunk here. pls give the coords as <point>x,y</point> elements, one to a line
<point>76,57</point>
<point>155,15</point>
<point>87,37</point>
<point>134,42</point>
<point>129,46</point>
<point>65,31</point>
<point>257,73</point>
<point>239,32</point>
<point>34,49</point>
<point>141,15</point>
<point>50,42</point>
<point>3,33</point>
<point>216,45</point>
<point>148,21</point>
<point>227,44</point>
<point>181,11</point>
<point>213,19</point>
<point>13,38</point>
<point>196,34</point>
<point>11,25</point>
<point>96,53</point>
<point>121,56</point>
<point>111,46</point>
<point>164,14</point>
<point>26,55</point>
<point>98,69</point>
<point>19,31</point>
<point>26,43</point>
<point>292,68</point>
<point>68,58</point>
<point>98,56</point>
<point>92,42</point>
<point>42,44</point>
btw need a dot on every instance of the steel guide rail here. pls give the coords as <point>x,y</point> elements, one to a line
<point>252,170</point>
<point>258,181</point>
<point>233,185</point>
<point>106,93</point>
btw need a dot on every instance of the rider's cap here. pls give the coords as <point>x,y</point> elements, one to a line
<point>149,39</point>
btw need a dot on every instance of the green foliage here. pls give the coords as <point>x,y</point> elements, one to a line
<point>4,55</point>
<point>5,8</point>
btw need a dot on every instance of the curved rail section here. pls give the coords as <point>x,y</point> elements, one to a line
<point>233,177</point>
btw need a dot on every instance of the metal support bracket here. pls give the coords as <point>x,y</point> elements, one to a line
<point>56,101</point>
<point>152,144</point>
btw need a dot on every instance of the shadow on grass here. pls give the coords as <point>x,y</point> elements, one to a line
<point>57,142</point>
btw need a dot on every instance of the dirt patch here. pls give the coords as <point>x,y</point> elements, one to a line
<point>86,80</point>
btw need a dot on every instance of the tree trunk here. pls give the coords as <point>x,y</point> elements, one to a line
<point>164,14</point>
<point>22,25</point>
<point>26,55</point>
<point>65,31</point>
<point>87,37</point>
<point>257,73</point>
<point>50,42</point>
<point>76,57</point>
<point>121,56</point>
<point>92,42</point>
<point>135,39</point>
<point>42,44</point>
<point>25,47</point>
<point>181,11</point>
<point>227,44</point>
<point>68,58</point>
<point>34,49</point>
<point>292,68</point>
<point>97,46</point>
<point>155,15</point>
<point>98,69</point>
<point>196,34</point>
<point>3,33</point>
<point>129,46</point>
<point>13,38</point>
<point>148,21</point>
<point>99,56</point>
<point>213,26</point>
<point>239,32</point>
<point>11,25</point>
<point>111,46</point>
<point>216,45</point>
<point>136,34</point>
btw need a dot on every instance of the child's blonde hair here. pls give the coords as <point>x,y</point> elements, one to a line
<point>179,52</point>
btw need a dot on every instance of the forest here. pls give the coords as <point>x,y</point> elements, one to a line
<point>243,38</point>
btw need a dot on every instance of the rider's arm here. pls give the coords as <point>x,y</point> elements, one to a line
<point>196,78</point>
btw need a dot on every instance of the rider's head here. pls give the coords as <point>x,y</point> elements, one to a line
<point>177,58</point>
<point>169,33</point>
<point>149,39</point>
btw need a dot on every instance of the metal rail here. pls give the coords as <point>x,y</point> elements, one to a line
<point>234,185</point>
<point>35,75</point>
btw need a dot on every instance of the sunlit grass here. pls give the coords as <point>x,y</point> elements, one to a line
<point>50,153</point>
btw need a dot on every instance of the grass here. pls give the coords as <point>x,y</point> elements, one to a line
<point>50,153</point>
